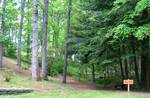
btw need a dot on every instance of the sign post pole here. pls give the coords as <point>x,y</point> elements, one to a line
<point>128,87</point>
<point>128,83</point>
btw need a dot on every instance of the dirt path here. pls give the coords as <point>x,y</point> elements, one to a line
<point>76,84</point>
<point>9,63</point>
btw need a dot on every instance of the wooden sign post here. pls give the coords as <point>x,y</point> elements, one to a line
<point>128,82</point>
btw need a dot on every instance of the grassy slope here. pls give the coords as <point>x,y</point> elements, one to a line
<point>54,89</point>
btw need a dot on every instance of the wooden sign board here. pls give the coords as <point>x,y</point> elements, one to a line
<point>128,82</point>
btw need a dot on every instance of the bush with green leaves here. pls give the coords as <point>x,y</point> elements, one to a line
<point>55,66</point>
<point>6,74</point>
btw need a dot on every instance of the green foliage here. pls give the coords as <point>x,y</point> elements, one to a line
<point>141,5</point>
<point>112,81</point>
<point>99,28</point>
<point>6,74</point>
<point>122,31</point>
<point>73,70</point>
<point>143,31</point>
<point>10,50</point>
<point>55,66</point>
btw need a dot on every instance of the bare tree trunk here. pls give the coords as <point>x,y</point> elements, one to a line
<point>125,63</point>
<point>1,55</point>
<point>86,71</point>
<point>2,31</point>
<point>121,65</point>
<point>44,40</point>
<point>93,73</point>
<point>133,44</point>
<point>35,67</point>
<point>145,63</point>
<point>66,43</point>
<point>28,39</point>
<point>20,33</point>
<point>28,49</point>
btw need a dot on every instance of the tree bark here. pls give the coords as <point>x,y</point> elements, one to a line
<point>86,71</point>
<point>2,31</point>
<point>20,33</point>
<point>28,39</point>
<point>93,73</point>
<point>145,63</point>
<point>44,41</point>
<point>125,63</point>
<point>133,45</point>
<point>28,49</point>
<point>35,66</point>
<point>66,43</point>
<point>121,65</point>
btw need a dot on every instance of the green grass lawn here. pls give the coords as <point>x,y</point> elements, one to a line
<point>72,93</point>
<point>55,89</point>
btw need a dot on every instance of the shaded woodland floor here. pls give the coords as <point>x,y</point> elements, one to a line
<point>75,88</point>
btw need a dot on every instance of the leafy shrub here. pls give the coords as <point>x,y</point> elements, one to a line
<point>6,74</point>
<point>109,81</point>
<point>55,66</point>
<point>73,70</point>
<point>10,50</point>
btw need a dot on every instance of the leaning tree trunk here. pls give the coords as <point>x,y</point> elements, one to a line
<point>44,40</point>
<point>35,42</point>
<point>145,63</point>
<point>20,33</point>
<point>2,30</point>
<point>66,43</point>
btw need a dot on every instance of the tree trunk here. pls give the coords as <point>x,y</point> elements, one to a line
<point>121,65</point>
<point>93,73</point>
<point>35,66</point>
<point>2,31</point>
<point>28,49</point>
<point>86,71</point>
<point>125,63</point>
<point>28,39</point>
<point>66,43</point>
<point>44,41</point>
<point>1,55</point>
<point>20,33</point>
<point>133,45</point>
<point>145,63</point>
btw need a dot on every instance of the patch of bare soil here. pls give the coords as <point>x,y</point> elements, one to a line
<point>19,71</point>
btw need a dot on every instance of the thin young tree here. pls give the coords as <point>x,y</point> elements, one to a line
<point>20,33</point>
<point>93,73</point>
<point>28,36</point>
<point>35,41</point>
<point>66,43</point>
<point>44,39</point>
